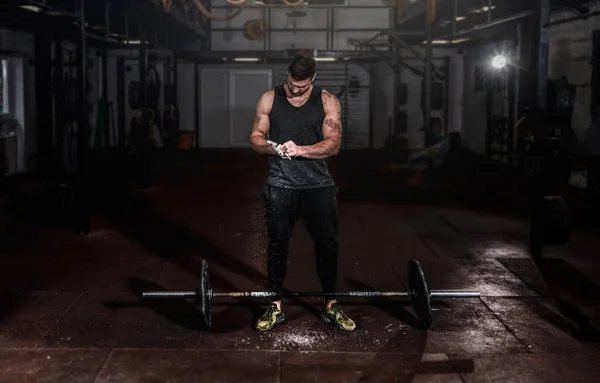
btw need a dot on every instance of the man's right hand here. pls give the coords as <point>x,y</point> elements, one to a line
<point>279,150</point>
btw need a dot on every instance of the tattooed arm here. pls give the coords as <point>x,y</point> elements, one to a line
<point>332,131</point>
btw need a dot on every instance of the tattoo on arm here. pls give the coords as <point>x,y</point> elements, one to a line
<point>332,125</point>
<point>332,130</point>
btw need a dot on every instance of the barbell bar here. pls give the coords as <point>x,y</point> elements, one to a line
<point>419,293</point>
<point>266,294</point>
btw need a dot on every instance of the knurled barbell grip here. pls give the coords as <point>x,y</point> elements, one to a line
<point>261,294</point>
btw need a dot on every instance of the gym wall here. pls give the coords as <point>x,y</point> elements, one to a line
<point>377,17</point>
<point>571,48</point>
<point>185,84</point>
<point>383,98</point>
<point>228,96</point>
<point>477,72</point>
<point>570,55</point>
<point>18,152</point>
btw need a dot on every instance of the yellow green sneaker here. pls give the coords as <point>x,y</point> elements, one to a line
<point>337,317</point>
<point>271,317</point>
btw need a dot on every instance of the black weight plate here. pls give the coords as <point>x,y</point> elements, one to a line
<point>354,86</point>
<point>557,222</point>
<point>419,293</point>
<point>203,296</point>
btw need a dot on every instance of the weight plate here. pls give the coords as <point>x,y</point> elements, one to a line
<point>419,293</point>
<point>203,298</point>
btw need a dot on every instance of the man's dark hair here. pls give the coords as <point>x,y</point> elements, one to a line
<point>302,67</point>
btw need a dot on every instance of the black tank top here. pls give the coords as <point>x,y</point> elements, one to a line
<point>303,126</point>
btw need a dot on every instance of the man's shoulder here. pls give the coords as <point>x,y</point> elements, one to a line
<point>267,98</point>
<point>268,94</point>
<point>330,100</point>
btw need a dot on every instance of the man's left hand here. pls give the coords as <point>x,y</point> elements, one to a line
<point>291,149</point>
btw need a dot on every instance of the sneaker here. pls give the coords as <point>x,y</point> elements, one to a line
<point>271,317</point>
<point>337,317</point>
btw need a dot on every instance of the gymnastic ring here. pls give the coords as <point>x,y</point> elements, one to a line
<point>292,4</point>
<point>167,4</point>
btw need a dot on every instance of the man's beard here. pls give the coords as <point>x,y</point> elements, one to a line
<point>297,94</point>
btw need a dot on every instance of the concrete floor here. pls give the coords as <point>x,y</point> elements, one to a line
<point>71,310</point>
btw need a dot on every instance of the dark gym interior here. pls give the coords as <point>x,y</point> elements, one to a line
<point>132,198</point>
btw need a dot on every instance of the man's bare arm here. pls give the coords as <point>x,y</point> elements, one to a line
<point>261,126</point>
<point>332,131</point>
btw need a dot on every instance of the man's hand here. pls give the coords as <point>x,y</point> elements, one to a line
<point>291,149</point>
<point>279,149</point>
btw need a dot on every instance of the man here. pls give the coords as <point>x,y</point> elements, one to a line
<point>299,126</point>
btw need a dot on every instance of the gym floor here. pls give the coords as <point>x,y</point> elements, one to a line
<point>71,309</point>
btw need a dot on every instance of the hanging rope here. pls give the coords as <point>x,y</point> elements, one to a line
<point>402,5</point>
<point>430,10</point>
<point>206,13</point>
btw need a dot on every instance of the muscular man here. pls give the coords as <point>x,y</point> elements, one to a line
<point>298,125</point>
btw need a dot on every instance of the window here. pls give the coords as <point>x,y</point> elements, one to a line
<point>3,88</point>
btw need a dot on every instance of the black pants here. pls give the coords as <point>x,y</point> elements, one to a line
<point>318,208</point>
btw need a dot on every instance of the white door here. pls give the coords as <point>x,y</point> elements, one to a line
<point>215,107</point>
<point>245,88</point>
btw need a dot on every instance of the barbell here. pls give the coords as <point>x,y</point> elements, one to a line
<point>419,294</point>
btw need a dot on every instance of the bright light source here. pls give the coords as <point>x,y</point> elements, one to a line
<point>246,59</point>
<point>458,41</point>
<point>326,59</point>
<point>460,18</point>
<point>132,42</point>
<point>31,8</point>
<point>437,42</point>
<point>499,62</point>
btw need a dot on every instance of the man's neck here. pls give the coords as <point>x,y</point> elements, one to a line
<point>304,96</point>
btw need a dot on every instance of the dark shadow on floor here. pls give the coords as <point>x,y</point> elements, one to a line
<point>8,301</point>
<point>138,220</point>
<point>564,280</point>
<point>388,305</point>
<point>180,311</point>
<point>568,287</point>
